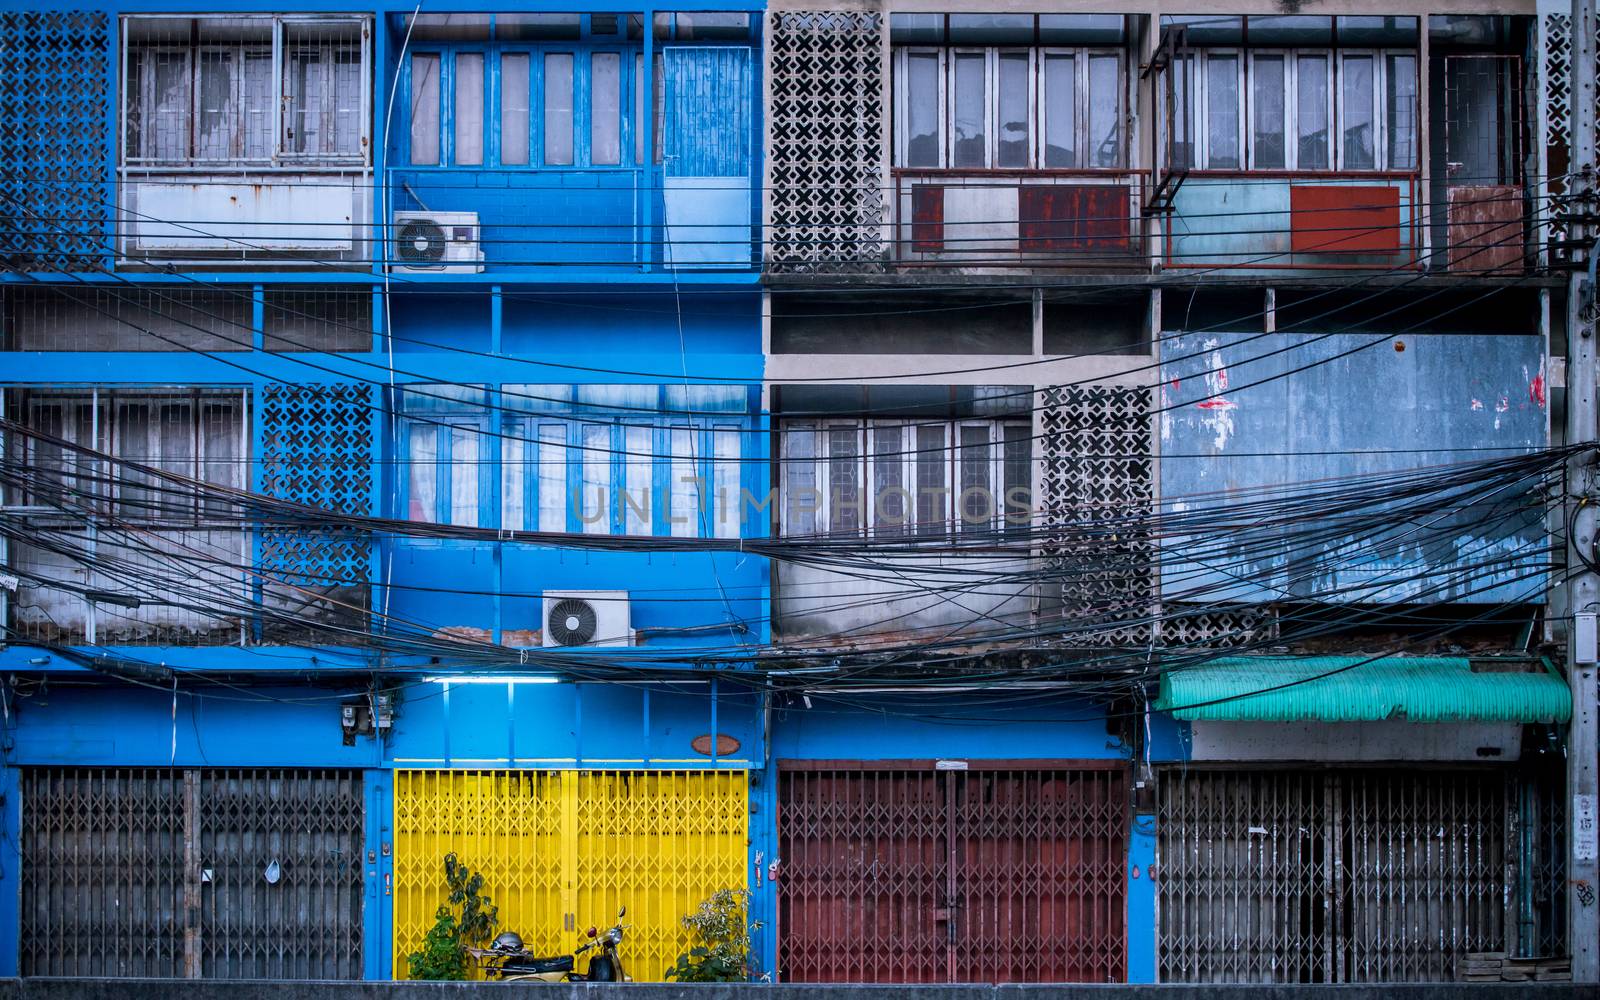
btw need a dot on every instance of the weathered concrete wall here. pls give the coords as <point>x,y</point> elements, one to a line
<point>128,989</point>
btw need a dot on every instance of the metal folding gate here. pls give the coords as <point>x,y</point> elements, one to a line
<point>562,850</point>
<point>987,872</point>
<point>1334,876</point>
<point>214,873</point>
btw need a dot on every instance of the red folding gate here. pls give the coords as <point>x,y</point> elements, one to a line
<point>923,872</point>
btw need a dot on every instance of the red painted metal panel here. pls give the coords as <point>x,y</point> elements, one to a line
<point>1344,219</point>
<point>927,218</point>
<point>991,874</point>
<point>1063,217</point>
<point>1486,231</point>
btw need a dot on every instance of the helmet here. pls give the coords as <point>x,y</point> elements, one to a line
<point>508,942</point>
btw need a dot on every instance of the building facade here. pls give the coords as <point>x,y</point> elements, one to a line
<point>1005,488</point>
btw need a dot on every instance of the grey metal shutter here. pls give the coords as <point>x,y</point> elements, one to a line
<point>158,872</point>
<point>1331,875</point>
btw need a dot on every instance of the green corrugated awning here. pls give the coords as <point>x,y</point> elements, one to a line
<point>1350,689</point>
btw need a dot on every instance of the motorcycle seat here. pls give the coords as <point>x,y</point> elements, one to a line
<point>529,964</point>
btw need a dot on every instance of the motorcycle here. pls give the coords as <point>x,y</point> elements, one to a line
<point>506,959</point>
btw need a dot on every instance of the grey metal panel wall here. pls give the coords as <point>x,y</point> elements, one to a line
<point>1233,422</point>
<point>1331,876</point>
<point>156,872</point>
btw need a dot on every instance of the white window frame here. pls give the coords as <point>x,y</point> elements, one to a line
<point>1199,99</point>
<point>281,156</point>
<point>1038,100</point>
<point>949,518</point>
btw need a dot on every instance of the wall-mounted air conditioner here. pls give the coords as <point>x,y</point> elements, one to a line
<point>586,618</point>
<point>437,242</point>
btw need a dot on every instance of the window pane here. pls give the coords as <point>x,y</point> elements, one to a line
<point>514,109</point>
<point>1105,111</point>
<point>219,123</point>
<point>1184,112</point>
<point>1016,499</point>
<point>469,109</point>
<point>605,108</point>
<point>640,126</point>
<point>933,491</point>
<point>686,485</point>
<point>219,440</point>
<point>425,108</point>
<point>422,490</point>
<point>596,440</point>
<point>636,504</point>
<point>1311,112</point>
<point>1222,111</point>
<point>799,479</point>
<point>977,486</point>
<point>1401,106</point>
<point>922,109</point>
<point>1267,90</point>
<point>725,485</point>
<point>1060,111</point>
<point>464,476</point>
<point>344,114</point>
<point>513,477</point>
<point>888,479</point>
<point>969,146</point>
<point>844,479</point>
<point>169,97</point>
<point>133,445</point>
<point>1012,125</point>
<point>553,498</point>
<point>258,99</point>
<point>558,108</point>
<point>1356,106</point>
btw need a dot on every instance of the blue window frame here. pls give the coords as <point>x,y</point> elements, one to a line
<point>531,106</point>
<point>595,472</point>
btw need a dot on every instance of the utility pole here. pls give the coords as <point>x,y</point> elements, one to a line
<point>1583,589</point>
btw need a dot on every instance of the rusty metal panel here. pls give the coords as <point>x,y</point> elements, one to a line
<point>1486,231</point>
<point>1040,862</point>
<point>911,873</point>
<point>1344,219</point>
<point>157,872</point>
<point>1064,217</point>
<point>927,218</point>
<point>1342,875</point>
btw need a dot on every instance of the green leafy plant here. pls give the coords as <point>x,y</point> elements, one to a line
<point>444,948</point>
<point>719,940</point>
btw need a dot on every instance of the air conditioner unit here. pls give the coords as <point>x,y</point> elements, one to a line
<point>586,618</point>
<point>437,242</point>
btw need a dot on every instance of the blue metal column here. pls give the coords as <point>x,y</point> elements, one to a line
<point>10,865</point>
<point>1142,900</point>
<point>378,912</point>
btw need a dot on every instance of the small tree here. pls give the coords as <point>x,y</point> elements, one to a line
<point>444,949</point>
<point>719,940</point>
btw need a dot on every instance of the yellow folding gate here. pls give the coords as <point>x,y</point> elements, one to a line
<point>560,851</point>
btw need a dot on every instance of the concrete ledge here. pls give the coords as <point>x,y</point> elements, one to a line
<point>182,989</point>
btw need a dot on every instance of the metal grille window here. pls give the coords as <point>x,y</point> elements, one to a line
<point>198,435</point>
<point>991,873</point>
<point>1330,876</point>
<point>898,477</point>
<point>218,874</point>
<point>250,91</point>
<point>1022,108</point>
